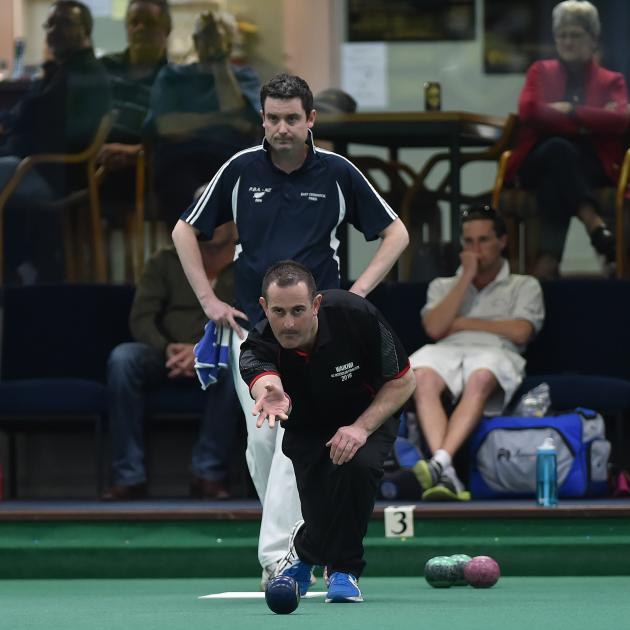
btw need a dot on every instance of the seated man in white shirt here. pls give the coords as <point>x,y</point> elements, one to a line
<point>481,319</point>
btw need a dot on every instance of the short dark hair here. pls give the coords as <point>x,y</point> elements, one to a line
<point>288,273</point>
<point>86,15</point>
<point>487,213</point>
<point>285,87</point>
<point>163,5</point>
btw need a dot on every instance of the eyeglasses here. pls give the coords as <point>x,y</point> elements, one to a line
<point>473,211</point>
<point>573,36</point>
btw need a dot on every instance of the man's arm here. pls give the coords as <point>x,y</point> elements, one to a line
<point>518,331</point>
<point>394,239</point>
<point>185,125</point>
<point>185,240</point>
<point>438,320</point>
<point>228,90</point>
<point>115,155</point>
<point>392,396</point>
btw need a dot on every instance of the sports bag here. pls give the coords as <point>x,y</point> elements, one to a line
<point>503,454</point>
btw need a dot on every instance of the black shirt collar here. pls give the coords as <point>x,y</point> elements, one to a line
<point>309,142</point>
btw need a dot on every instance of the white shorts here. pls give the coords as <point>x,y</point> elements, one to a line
<point>456,363</point>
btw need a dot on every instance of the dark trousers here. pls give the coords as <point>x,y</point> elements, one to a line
<point>132,369</point>
<point>563,174</point>
<point>337,501</point>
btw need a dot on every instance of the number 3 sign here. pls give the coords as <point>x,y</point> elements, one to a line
<point>399,521</point>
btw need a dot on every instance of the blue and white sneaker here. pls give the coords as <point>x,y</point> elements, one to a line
<point>292,566</point>
<point>343,588</point>
<point>291,556</point>
<point>301,572</point>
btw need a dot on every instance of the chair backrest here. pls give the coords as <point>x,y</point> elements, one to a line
<point>401,303</point>
<point>57,331</point>
<point>586,329</point>
<point>94,174</point>
<point>396,175</point>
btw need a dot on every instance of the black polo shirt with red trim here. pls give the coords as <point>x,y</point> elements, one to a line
<point>355,353</point>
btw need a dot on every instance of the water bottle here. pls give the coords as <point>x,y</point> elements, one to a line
<point>18,58</point>
<point>546,474</point>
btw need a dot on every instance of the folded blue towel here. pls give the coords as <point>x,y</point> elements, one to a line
<point>212,353</point>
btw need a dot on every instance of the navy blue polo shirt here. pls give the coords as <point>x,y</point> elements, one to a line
<point>355,353</point>
<point>287,216</point>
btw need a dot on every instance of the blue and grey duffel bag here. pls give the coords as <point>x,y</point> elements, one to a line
<point>503,454</point>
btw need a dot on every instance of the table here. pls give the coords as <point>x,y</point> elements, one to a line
<point>395,130</point>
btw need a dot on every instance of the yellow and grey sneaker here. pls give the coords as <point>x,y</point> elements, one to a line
<point>428,473</point>
<point>446,489</point>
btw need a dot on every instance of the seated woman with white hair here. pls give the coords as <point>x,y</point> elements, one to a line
<point>573,115</point>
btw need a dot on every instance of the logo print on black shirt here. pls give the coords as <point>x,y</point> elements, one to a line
<point>259,193</point>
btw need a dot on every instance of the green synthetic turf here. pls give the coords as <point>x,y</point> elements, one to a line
<point>222,548</point>
<point>551,603</point>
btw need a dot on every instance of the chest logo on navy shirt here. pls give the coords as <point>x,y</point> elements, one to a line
<point>344,372</point>
<point>259,193</point>
<point>313,196</point>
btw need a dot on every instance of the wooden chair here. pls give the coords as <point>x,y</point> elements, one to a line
<point>442,191</point>
<point>420,210</point>
<point>518,208</point>
<point>72,204</point>
<point>129,217</point>
<point>622,220</point>
<point>390,179</point>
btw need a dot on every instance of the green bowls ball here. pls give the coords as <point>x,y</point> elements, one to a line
<point>440,572</point>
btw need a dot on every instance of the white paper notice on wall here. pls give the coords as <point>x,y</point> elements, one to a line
<point>99,8</point>
<point>364,74</point>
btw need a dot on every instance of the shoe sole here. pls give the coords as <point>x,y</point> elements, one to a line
<point>440,493</point>
<point>344,600</point>
<point>423,474</point>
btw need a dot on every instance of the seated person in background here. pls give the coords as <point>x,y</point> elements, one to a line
<point>573,116</point>
<point>166,321</point>
<point>62,111</point>
<point>200,115</point>
<point>60,114</point>
<point>482,318</point>
<point>334,101</point>
<point>132,74</point>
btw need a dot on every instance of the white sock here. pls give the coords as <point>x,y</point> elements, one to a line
<point>442,458</point>
<point>452,475</point>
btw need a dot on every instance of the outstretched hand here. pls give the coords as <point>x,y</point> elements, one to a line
<point>345,443</point>
<point>271,405</point>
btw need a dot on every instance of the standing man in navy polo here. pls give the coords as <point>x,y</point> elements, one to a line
<point>287,198</point>
<point>331,369</point>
